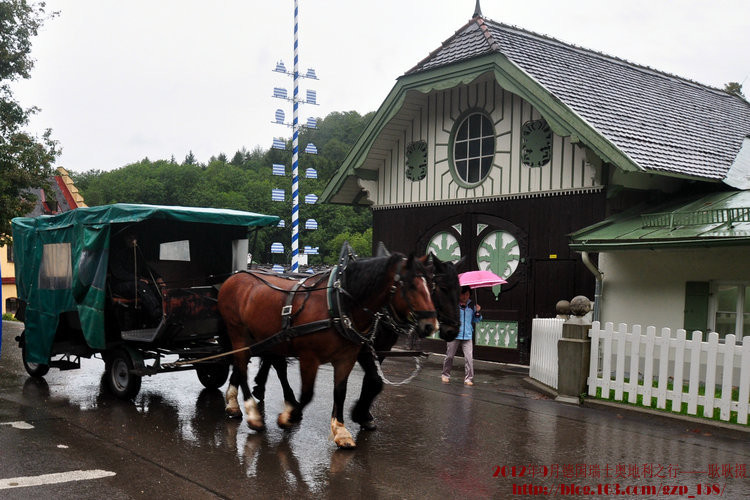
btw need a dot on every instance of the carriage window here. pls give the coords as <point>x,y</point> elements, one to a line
<point>239,255</point>
<point>175,250</point>
<point>56,271</point>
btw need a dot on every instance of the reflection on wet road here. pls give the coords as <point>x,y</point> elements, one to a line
<point>433,440</point>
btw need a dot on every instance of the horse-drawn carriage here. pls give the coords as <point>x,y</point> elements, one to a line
<point>139,283</point>
<point>134,284</point>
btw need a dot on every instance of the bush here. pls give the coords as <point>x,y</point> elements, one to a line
<point>9,317</point>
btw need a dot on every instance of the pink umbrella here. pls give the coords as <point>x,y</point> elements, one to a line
<point>479,279</point>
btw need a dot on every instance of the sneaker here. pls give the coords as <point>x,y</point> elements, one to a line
<point>446,380</point>
<point>468,382</point>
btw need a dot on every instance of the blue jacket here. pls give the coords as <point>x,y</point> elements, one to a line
<point>467,321</point>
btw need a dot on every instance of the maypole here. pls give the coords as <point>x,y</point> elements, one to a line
<point>295,147</point>
<point>279,194</point>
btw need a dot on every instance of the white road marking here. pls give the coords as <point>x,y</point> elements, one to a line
<point>18,425</point>
<point>60,477</point>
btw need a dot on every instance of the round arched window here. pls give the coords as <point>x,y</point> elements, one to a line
<point>445,246</point>
<point>473,148</point>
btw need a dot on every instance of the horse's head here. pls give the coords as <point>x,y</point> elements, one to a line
<point>411,299</point>
<point>445,291</point>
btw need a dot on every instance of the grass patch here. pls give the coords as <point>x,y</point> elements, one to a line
<point>652,405</point>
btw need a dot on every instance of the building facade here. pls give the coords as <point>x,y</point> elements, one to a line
<point>501,143</point>
<point>65,196</point>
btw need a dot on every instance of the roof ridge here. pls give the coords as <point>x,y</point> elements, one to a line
<point>487,33</point>
<point>603,55</point>
<point>479,21</point>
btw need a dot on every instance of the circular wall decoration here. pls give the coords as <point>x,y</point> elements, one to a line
<point>445,246</point>
<point>416,160</point>
<point>500,253</point>
<point>536,143</point>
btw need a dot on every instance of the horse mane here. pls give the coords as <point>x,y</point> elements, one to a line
<point>363,276</point>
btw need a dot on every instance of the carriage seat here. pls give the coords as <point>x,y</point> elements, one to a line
<point>192,313</point>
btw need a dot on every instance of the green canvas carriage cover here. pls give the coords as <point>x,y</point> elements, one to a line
<point>61,263</point>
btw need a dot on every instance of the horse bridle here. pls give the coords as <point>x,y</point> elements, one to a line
<point>443,320</point>
<point>414,315</point>
<point>398,284</point>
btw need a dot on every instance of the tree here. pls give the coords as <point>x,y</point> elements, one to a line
<point>245,183</point>
<point>25,160</point>
<point>189,158</point>
<point>734,88</point>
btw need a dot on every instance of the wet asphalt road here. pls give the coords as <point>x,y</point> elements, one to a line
<point>433,441</point>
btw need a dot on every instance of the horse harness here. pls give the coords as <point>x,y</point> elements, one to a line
<point>338,318</point>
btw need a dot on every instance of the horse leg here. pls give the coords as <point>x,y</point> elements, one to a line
<point>259,391</point>
<point>340,434</point>
<point>285,419</point>
<point>372,385</point>
<point>239,379</point>
<point>233,406</point>
<point>308,369</point>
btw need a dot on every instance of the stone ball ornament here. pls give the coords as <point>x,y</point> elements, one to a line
<point>562,307</point>
<point>580,305</point>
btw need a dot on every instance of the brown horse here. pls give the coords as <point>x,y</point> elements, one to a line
<point>444,293</point>
<point>295,315</point>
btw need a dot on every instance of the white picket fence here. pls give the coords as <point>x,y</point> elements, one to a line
<point>545,332</point>
<point>689,364</point>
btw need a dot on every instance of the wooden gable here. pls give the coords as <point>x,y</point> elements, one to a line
<point>432,118</point>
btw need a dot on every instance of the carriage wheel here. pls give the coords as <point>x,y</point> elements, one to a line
<point>212,376</point>
<point>33,369</point>
<point>122,383</point>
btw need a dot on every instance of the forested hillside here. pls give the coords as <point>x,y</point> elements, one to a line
<point>244,182</point>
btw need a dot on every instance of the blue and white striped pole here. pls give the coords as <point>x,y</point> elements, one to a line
<point>295,149</point>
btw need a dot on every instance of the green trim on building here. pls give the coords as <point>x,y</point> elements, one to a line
<point>562,120</point>
<point>716,219</point>
<point>502,334</point>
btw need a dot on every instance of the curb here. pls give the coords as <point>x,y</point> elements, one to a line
<point>738,431</point>
<point>537,386</point>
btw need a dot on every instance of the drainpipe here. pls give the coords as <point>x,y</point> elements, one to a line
<point>598,290</point>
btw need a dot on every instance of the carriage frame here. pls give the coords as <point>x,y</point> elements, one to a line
<point>64,279</point>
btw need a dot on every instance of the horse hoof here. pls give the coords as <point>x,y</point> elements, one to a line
<point>346,443</point>
<point>284,421</point>
<point>256,426</point>
<point>341,436</point>
<point>234,413</point>
<point>369,425</point>
<point>295,418</point>
<point>364,419</point>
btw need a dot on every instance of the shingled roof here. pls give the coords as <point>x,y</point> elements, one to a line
<point>663,123</point>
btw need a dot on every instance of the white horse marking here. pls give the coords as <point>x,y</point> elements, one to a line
<point>231,398</point>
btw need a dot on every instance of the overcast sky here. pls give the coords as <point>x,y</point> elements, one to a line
<point>118,81</point>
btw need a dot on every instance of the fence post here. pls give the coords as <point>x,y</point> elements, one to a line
<point>573,352</point>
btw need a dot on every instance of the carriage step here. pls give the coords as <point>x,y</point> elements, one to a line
<point>142,335</point>
<point>65,364</point>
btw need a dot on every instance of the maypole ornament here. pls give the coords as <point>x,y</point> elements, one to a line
<point>280,93</point>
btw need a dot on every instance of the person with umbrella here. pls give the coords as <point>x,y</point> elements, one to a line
<point>470,314</point>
